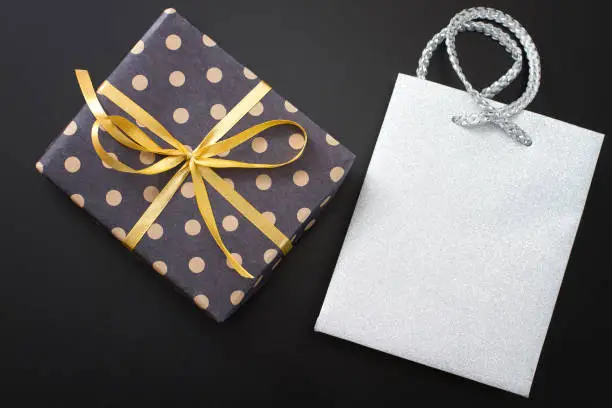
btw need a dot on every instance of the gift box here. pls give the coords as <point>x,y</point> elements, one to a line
<point>188,97</point>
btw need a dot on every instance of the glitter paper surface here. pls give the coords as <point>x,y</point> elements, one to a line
<point>460,238</point>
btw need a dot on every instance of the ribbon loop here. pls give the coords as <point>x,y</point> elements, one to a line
<point>198,162</point>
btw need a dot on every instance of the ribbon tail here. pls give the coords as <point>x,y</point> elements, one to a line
<point>209,219</point>
<point>157,206</point>
<point>247,210</point>
<point>89,93</point>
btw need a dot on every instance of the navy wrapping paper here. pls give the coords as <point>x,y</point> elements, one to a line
<point>187,82</point>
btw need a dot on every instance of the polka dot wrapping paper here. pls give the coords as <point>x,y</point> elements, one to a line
<point>188,83</point>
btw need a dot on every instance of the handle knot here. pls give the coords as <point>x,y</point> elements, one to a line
<point>468,20</point>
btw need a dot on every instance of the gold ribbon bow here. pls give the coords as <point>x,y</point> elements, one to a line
<point>199,162</point>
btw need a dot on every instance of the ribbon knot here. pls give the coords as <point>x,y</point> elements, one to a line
<point>189,154</point>
<point>197,163</point>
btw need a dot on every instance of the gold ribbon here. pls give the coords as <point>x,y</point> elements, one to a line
<point>199,162</point>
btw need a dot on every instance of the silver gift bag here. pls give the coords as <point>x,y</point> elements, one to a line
<point>465,223</point>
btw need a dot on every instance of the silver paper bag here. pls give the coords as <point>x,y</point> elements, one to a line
<point>460,238</point>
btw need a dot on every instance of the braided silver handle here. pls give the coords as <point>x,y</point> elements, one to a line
<point>464,21</point>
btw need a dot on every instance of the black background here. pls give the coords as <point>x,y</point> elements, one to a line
<point>83,322</point>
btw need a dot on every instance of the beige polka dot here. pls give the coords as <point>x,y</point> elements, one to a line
<point>310,224</point>
<point>72,164</point>
<point>150,193</point>
<point>258,281</point>
<point>336,174</point>
<point>138,47</point>
<point>276,264</point>
<point>155,231</point>
<point>224,154</point>
<point>70,129</point>
<point>229,181</point>
<point>303,214</point>
<point>259,145</point>
<point>269,255</point>
<point>237,257</point>
<point>180,115</point>
<point>218,111</point>
<point>196,264</point>
<point>236,297</point>
<point>192,227</point>
<point>324,203</point>
<point>187,190</point>
<point>40,167</point>
<point>146,157</point>
<point>290,107</point>
<point>78,200</point>
<point>249,74</point>
<point>331,141</point>
<point>114,156</point>
<point>230,223</point>
<point>201,301</point>
<point>118,233</point>
<point>263,182</point>
<point>169,11</point>
<point>257,109</point>
<point>173,42</point>
<point>214,75</point>
<point>296,141</point>
<point>140,82</point>
<point>113,198</point>
<point>209,42</point>
<point>300,178</point>
<point>177,78</point>
<point>160,267</point>
<point>270,216</point>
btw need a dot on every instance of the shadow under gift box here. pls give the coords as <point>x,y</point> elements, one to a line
<point>188,83</point>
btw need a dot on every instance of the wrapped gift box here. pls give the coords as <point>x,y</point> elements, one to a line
<point>188,83</point>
